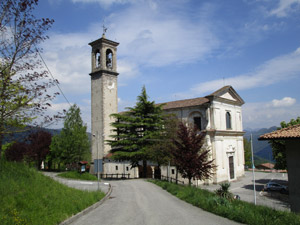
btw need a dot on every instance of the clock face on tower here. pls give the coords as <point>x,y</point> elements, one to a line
<point>111,85</point>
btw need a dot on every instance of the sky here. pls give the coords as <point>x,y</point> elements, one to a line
<point>181,49</point>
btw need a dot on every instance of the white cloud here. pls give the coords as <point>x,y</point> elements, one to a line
<point>273,71</point>
<point>264,114</point>
<point>104,3</point>
<point>156,36</point>
<point>285,102</point>
<point>285,7</point>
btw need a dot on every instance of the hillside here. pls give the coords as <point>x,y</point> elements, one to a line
<point>28,197</point>
<point>261,149</point>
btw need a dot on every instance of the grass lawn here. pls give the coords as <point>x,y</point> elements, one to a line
<point>236,210</point>
<point>28,197</point>
<point>78,176</point>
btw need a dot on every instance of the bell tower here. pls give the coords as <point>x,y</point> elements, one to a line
<point>104,99</point>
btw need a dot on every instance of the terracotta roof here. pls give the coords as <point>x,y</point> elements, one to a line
<point>184,103</point>
<point>285,133</point>
<point>266,165</point>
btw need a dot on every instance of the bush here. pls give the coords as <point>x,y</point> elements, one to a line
<point>223,191</point>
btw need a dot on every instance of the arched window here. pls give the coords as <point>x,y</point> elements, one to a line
<point>228,121</point>
<point>196,119</point>
<point>109,55</point>
<point>197,122</point>
<point>98,59</point>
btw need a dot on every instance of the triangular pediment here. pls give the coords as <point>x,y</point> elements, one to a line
<point>226,94</point>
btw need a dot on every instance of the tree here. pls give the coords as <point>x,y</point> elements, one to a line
<point>16,151</point>
<point>161,151</point>
<point>23,82</point>
<point>136,130</point>
<point>38,147</point>
<point>247,153</point>
<point>190,155</point>
<point>279,148</point>
<point>72,144</point>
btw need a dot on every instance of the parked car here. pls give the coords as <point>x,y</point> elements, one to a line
<point>273,186</point>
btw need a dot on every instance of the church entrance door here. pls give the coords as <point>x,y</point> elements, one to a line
<point>231,167</point>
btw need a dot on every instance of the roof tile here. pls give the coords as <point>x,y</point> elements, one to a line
<point>285,133</point>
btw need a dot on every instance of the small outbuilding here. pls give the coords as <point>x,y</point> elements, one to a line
<point>291,136</point>
<point>265,166</point>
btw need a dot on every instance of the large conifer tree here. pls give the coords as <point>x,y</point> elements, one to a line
<point>136,130</point>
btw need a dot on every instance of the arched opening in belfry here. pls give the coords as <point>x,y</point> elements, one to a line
<point>98,59</point>
<point>109,58</point>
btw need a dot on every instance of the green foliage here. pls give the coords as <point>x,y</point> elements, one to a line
<point>247,153</point>
<point>136,130</point>
<point>236,210</point>
<point>28,197</point>
<point>161,151</point>
<point>77,176</point>
<point>23,84</point>
<point>72,144</point>
<point>223,191</point>
<point>278,146</point>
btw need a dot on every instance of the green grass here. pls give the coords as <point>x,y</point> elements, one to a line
<point>78,176</point>
<point>28,197</point>
<point>236,210</point>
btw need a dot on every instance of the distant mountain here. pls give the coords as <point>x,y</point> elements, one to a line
<point>262,149</point>
<point>20,136</point>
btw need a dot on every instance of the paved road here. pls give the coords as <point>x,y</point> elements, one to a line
<point>137,202</point>
<point>244,188</point>
<point>78,184</point>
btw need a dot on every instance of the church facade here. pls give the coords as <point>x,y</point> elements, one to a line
<point>218,114</point>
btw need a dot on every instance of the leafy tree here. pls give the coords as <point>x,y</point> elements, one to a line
<point>72,144</point>
<point>16,152</point>
<point>278,146</point>
<point>190,156</point>
<point>247,152</point>
<point>161,151</point>
<point>136,131</point>
<point>23,82</point>
<point>38,147</point>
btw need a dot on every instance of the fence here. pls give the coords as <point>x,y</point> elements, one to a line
<point>115,176</point>
<point>171,179</point>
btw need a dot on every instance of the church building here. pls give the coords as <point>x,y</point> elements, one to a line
<point>218,114</point>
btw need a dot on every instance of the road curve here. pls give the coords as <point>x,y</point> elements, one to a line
<point>138,202</point>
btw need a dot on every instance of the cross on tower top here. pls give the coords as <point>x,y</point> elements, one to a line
<point>104,30</point>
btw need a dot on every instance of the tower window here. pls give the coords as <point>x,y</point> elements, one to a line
<point>108,59</point>
<point>228,121</point>
<point>197,122</point>
<point>98,59</point>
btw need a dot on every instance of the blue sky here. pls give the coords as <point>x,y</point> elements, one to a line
<point>182,49</point>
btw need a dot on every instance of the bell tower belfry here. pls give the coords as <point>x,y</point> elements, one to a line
<point>104,97</point>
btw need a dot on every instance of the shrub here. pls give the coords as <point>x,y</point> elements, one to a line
<point>223,191</point>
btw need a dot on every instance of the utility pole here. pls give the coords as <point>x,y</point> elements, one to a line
<point>253,167</point>
<point>98,168</point>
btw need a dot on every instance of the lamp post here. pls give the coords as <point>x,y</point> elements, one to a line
<point>253,167</point>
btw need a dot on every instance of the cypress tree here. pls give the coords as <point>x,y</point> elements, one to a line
<point>136,130</point>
